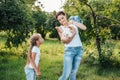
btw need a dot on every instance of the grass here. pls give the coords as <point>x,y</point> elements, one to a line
<point>51,63</point>
<point>12,68</point>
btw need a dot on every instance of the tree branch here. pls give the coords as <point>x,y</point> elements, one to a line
<point>105,17</point>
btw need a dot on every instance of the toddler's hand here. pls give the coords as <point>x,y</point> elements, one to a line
<point>72,29</point>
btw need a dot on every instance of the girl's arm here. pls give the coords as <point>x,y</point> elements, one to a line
<point>39,68</point>
<point>79,25</point>
<point>32,60</point>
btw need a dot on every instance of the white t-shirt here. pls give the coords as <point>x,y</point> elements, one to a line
<point>36,51</point>
<point>75,42</point>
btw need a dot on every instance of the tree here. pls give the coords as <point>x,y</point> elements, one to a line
<point>51,23</point>
<point>40,19</point>
<point>97,16</point>
<point>16,20</point>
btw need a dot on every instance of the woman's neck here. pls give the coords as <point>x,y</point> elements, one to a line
<point>66,24</point>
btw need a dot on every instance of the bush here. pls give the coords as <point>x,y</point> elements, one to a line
<point>110,55</point>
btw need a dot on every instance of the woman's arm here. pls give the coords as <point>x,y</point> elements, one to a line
<point>79,25</point>
<point>59,30</point>
<point>62,38</point>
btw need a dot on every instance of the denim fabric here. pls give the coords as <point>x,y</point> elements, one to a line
<point>30,74</point>
<point>72,59</point>
<point>72,18</point>
<point>76,18</point>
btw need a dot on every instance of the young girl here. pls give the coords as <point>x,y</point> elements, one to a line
<point>32,68</point>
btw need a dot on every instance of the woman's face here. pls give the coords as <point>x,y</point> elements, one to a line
<point>62,19</point>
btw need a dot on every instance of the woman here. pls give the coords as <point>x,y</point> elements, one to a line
<point>73,46</point>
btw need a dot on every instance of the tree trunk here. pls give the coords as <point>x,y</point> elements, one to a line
<point>97,31</point>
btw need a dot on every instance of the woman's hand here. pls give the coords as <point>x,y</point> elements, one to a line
<point>71,22</point>
<point>58,29</point>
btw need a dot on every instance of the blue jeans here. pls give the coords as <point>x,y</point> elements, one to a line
<point>72,59</point>
<point>30,74</point>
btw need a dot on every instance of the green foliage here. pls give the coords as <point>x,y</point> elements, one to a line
<point>105,34</point>
<point>115,31</point>
<point>30,1</point>
<point>84,1</point>
<point>106,16</point>
<point>51,23</point>
<point>16,20</point>
<point>110,55</point>
<point>40,19</point>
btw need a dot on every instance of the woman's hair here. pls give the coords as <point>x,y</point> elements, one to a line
<point>33,40</point>
<point>59,13</point>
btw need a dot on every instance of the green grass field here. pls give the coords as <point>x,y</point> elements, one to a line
<point>51,63</point>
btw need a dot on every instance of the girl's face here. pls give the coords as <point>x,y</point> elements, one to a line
<point>39,41</point>
<point>62,19</point>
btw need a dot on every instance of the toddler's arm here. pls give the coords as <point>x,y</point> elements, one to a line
<point>73,32</point>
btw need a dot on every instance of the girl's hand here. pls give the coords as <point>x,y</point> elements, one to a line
<point>38,73</point>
